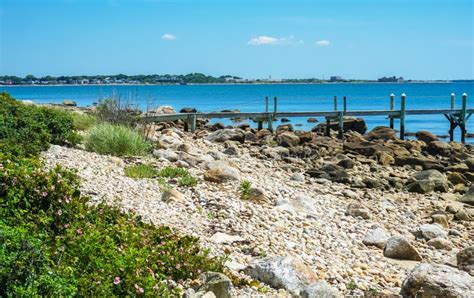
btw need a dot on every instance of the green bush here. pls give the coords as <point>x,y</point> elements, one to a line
<point>83,121</point>
<point>52,243</point>
<point>116,140</point>
<point>140,171</point>
<point>245,189</point>
<point>29,129</point>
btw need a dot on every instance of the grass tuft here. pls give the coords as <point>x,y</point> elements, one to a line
<point>82,121</point>
<point>186,179</point>
<point>140,171</point>
<point>116,140</point>
<point>245,190</point>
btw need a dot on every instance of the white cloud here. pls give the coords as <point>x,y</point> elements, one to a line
<point>168,36</point>
<point>268,40</point>
<point>323,43</point>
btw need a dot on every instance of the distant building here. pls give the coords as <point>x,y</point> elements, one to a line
<point>335,78</point>
<point>393,79</point>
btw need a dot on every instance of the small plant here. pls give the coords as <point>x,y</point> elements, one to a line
<point>186,179</point>
<point>140,171</point>
<point>83,121</point>
<point>245,190</point>
<point>116,140</point>
<point>173,172</point>
<point>352,285</point>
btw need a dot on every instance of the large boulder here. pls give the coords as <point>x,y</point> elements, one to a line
<point>229,134</point>
<point>287,139</point>
<point>69,103</point>
<point>468,198</point>
<point>381,133</point>
<point>425,163</point>
<point>188,110</point>
<point>350,124</point>
<point>331,172</point>
<point>465,260</point>
<point>283,273</point>
<point>398,247</point>
<point>433,280</point>
<point>439,148</point>
<point>426,136</point>
<point>427,181</point>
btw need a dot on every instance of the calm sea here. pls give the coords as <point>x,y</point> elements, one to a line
<point>251,98</point>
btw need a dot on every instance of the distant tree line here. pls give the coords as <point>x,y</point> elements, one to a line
<point>191,78</point>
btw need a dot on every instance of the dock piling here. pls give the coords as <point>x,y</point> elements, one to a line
<point>193,122</point>
<point>266,104</point>
<point>402,116</point>
<point>335,103</point>
<point>274,105</point>
<point>345,104</point>
<point>392,107</point>
<point>462,118</point>
<point>340,117</point>
<point>452,120</point>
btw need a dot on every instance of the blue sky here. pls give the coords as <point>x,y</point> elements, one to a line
<point>417,39</point>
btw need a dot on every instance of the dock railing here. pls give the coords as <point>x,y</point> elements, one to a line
<point>456,117</point>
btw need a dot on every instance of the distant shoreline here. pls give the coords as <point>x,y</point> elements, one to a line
<point>236,84</point>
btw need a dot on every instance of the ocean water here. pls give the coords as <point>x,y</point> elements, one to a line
<point>291,97</point>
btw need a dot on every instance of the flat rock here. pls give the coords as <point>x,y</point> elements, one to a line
<point>440,243</point>
<point>432,280</point>
<point>468,198</point>
<point>228,134</point>
<point>222,174</point>
<point>217,283</point>
<point>223,238</point>
<point>355,209</point>
<point>320,289</point>
<point>430,231</point>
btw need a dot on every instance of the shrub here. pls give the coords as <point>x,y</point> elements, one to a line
<point>117,111</point>
<point>245,190</point>
<point>52,243</point>
<point>116,140</point>
<point>29,129</point>
<point>188,180</point>
<point>83,121</point>
<point>140,171</point>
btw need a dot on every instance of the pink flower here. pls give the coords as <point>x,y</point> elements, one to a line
<point>141,290</point>
<point>117,280</point>
<point>79,232</point>
<point>59,212</point>
<point>66,226</point>
<point>178,266</point>
<point>44,194</point>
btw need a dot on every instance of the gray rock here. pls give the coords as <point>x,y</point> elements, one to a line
<point>423,186</point>
<point>172,195</point>
<point>222,174</point>
<point>376,237</point>
<point>426,136</point>
<point>320,289</point>
<point>465,260</point>
<point>228,134</point>
<point>69,103</point>
<point>217,283</point>
<point>397,247</point>
<point>166,154</point>
<point>297,177</point>
<point>283,273</point>
<point>440,243</point>
<point>432,280</point>
<point>223,238</point>
<point>468,198</point>
<point>355,209</point>
<point>430,231</point>
<point>427,181</point>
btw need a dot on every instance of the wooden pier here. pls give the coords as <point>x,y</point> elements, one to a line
<point>456,117</point>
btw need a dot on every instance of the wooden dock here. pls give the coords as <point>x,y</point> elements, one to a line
<point>456,117</point>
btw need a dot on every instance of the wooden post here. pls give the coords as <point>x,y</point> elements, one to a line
<point>266,104</point>
<point>345,104</point>
<point>341,125</point>
<point>402,116</point>
<point>335,103</point>
<point>462,119</point>
<point>260,125</point>
<point>451,120</point>
<point>274,105</point>
<point>328,127</point>
<point>193,122</point>
<point>270,122</point>
<point>392,107</point>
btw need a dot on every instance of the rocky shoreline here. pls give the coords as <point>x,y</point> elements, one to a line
<point>367,215</point>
